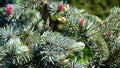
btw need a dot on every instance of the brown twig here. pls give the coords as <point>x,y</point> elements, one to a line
<point>45,13</point>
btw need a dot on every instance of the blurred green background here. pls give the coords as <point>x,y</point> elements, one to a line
<point>100,8</point>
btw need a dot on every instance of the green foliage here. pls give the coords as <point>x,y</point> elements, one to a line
<point>31,37</point>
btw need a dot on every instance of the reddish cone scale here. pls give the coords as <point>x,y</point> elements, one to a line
<point>60,7</point>
<point>82,22</point>
<point>8,9</point>
<point>108,33</point>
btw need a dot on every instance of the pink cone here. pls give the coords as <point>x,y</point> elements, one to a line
<point>60,7</point>
<point>8,9</point>
<point>82,22</point>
